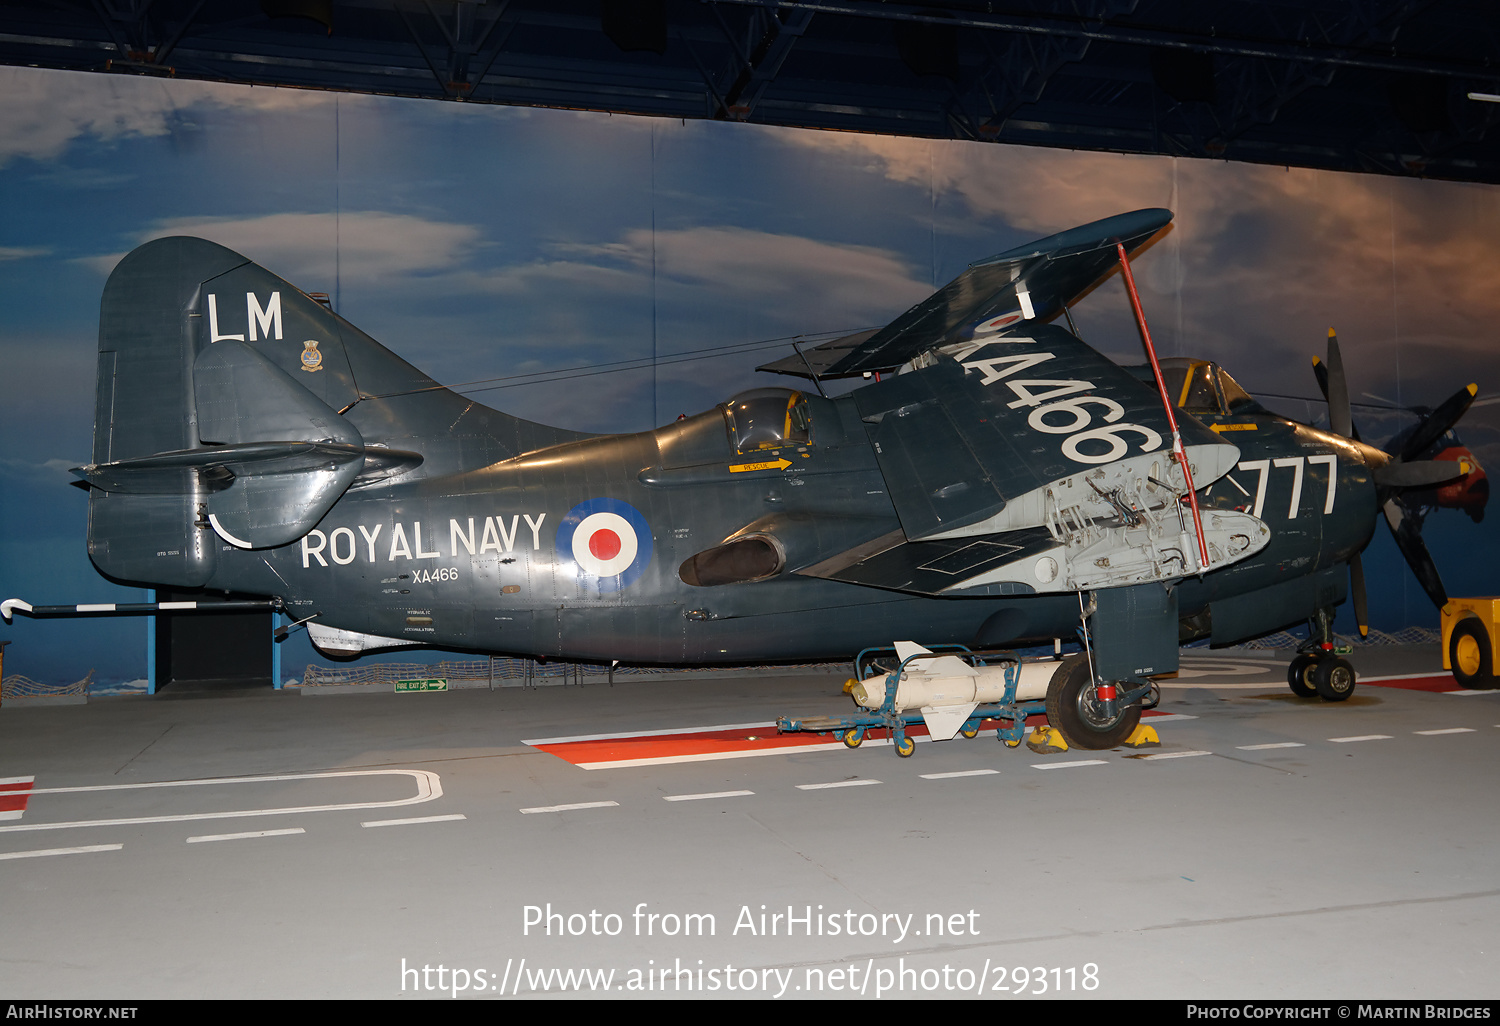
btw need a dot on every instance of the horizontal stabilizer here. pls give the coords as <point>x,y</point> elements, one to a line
<point>1028,283</point>
<point>211,470</point>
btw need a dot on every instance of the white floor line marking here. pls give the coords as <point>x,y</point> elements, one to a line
<point>1470,691</point>
<point>959,773</point>
<point>1448,730</point>
<point>1278,744</point>
<point>60,851</point>
<point>836,783</point>
<point>569,808</point>
<point>429,787</point>
<point>697,797</point>
<point>1064,765</point>
<point>1406,676</point>
<point>1172,755</point>
<point>18,780</point>
<point>1169,718</point>
<point>1361,737</point>
<point>419,819</point>
<point>650,733</point>
<point>11,814</point>
<point>248,833</point>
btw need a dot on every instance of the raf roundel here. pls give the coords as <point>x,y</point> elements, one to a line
<point>608,539</point>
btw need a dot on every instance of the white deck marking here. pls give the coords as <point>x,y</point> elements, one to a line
<point>1447,730</point>
<point>248,833</point>
<point>420,819</point>
<point>429,787</point>
<point>1361,737</point>
<point>569,808</point>
<point>1065,765</point>
<point>1167,717</point>
<point>1278,744</point>
<point>959,773</point>
<point>699,797</point>
<point>836,783</point>
<point>60,851</point>
<point>1172,755</point>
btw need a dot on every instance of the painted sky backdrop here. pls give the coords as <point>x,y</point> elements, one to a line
<point>532,252</point>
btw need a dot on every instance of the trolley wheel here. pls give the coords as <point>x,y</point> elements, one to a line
<point>970,733</point>
<point>1334,679</point>
<point>853,737</point>
<point>1073,708</point>
<point>905,746</point>
<point>1299,676</point>
<point>1470,656</point>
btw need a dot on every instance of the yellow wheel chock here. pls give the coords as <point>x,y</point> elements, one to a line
<point>1046,741</point>
<point>1143,737</point>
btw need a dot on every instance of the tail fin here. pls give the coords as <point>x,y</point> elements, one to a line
<point>217,410</point>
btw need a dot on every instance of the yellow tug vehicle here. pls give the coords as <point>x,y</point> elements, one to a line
<point>1469,632</point>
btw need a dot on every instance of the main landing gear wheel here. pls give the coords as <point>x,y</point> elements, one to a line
<point>1334,679</point>
<point>1299,676</point>
<point>1469,655</point>
<point>1074,709</point>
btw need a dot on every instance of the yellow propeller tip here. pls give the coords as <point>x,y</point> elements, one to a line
<point>1331,333</point>
<point>1316,361</point>
<point>1473,388</point>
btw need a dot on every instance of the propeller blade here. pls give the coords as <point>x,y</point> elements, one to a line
<point>1335,389</point>
<point>1340,421</point>
<point>1438,423</point>
<point>1357,588</point>
<point>1407,531</point>
<point>1421,474</point>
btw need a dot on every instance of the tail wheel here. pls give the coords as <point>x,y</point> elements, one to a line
<point>1073,707</point>
<point>1299,676</point>
<point>1470,655</point>
<point>1334,679</point>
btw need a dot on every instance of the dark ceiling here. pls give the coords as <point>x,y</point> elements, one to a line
<point>1357,85</point>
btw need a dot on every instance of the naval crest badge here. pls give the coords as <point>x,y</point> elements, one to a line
<point>312,360</point>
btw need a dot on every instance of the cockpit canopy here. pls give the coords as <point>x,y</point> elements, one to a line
<point>1202,386</point>
<point>768,418</point>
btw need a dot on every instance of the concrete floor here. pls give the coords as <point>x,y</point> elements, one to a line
<point>1355,869</point>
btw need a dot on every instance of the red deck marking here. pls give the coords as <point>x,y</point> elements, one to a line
<point>13,796</point>
<point>704,746</point>
<point>1440,681</point>
<point>722,744</point>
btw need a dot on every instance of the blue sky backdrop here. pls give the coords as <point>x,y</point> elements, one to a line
<point>486,243</point>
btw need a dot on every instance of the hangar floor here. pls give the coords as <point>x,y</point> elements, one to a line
<point>261,844</point>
